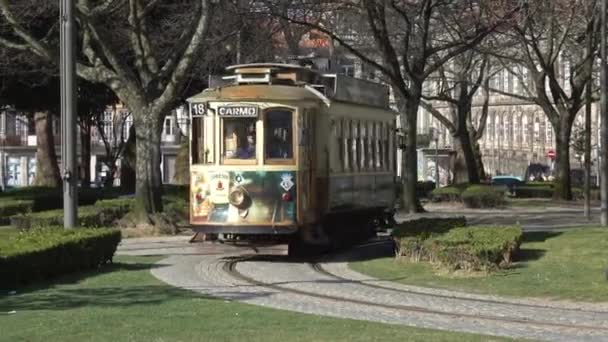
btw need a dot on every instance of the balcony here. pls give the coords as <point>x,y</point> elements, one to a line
<point>13,140</point>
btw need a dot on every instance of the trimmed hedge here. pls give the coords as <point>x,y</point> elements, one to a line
<point>46,253</point>
<point>475,248</point>
<point>424,189</point>
<point>537,191</point>
<point>10,207</point>
<point>103,213</point>
<point>450,193</point>
<point>46,198</point>
<point>409,236</point>
<point>483,196</point>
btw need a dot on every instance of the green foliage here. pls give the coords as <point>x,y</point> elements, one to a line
<point>410,235</point>
<point>534,191</point>
<point>475,248</point>
<point>483,196</point>
<point>450,193</point>
<point>10,207</point>
<point>47,198</point>
<point>449,244</point>
<point>424,189</point>
<point>44,253</point>
<point>103,213</point>
<point>427,227</point>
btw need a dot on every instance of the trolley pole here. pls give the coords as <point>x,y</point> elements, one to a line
<point>604,119</point>
<point>68,114</point>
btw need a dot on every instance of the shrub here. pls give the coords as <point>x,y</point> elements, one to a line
<point>475,248</point>
<point>450,193</point>
<point>10,207</point>
<point>176,209</point>
<point>410,235</point>
<point>41,254</point>
<point>103,213</point>
<point>536,191</point>
<point>483,196</point>
<point>47,198</point>
<point>424,189</point>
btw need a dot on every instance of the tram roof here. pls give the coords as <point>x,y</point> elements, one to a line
<point>255,92</point>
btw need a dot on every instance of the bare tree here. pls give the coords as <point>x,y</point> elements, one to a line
<point>550,58</point>
<point>413,40</point>
<point>457,84</point>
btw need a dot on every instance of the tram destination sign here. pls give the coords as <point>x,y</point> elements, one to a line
<point>238,111</point>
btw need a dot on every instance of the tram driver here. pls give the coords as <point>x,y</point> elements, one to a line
<point>248,150</point>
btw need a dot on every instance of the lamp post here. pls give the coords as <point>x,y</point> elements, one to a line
<point>68,113</point>
<point>434,135</point>
<point>604,117</point>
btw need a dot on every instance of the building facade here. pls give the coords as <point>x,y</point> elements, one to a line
<point>18,144</point>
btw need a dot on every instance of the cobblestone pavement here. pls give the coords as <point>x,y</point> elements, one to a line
<point>330,288</point>
<point>531,219</point>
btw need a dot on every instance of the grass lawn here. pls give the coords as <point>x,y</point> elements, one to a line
<point>6,231</point>
<point>569,265</point>
<point>125,302</point>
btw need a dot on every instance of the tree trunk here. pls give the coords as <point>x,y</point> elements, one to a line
<point>563,182</point>
<point>47,169</point>
<point>127,166</point>
<point>85,153</point>
<point>479,160</point>
<point>465,164</point>
<point>148,184</point>
<point>409,163</point>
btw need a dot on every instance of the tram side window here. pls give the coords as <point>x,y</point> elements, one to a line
<point>377,144</point>
<point>345,145</point>
<point>279,134</point>
<point>337,151</point>
<point>362,146</point>
<point>371,136</point>
<point>239,138</point>
<point>354,158</point>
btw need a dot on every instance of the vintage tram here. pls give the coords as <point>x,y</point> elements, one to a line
<point>285,151</point>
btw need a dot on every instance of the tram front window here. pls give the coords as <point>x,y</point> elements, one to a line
<point>279,134</point>
<point>239,139</point>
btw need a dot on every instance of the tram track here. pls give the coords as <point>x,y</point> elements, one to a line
<point>318,267</point>
<point>230,267</point>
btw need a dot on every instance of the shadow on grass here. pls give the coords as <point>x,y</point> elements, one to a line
<point>122,290</point>
<point>78,276</point>
<point>539,236</point>
<point>528,254</point>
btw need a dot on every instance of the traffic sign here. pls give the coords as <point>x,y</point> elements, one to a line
<point>551,154</point>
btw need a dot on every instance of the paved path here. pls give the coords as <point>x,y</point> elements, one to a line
<point>531,219</point>
<point>330,288</point>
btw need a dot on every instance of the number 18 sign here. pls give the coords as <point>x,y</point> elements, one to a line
<point>198,109</point>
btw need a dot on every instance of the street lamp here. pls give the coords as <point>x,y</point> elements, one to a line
<point>68,113</point>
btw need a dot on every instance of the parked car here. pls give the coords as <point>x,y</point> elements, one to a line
<point>511,182</point>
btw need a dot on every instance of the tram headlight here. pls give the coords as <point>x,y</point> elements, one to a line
<point>240,198</point>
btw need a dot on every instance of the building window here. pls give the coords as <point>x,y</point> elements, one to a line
<point>168,126</point>
<point>279,134</point>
